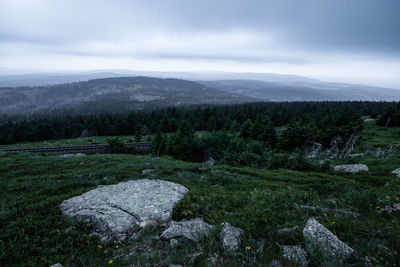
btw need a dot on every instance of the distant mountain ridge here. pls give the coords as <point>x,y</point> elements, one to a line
<point>304,91</point>
<point>113,94</point>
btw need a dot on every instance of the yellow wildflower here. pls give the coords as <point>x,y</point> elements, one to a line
<point>116,246</point>
<point>222,223</point>
<point>378,207</point>
<point>333,222</point>
<point>110,261</point>
<point>99,246</point>
<point>248,248</point>
<point>382,209</point>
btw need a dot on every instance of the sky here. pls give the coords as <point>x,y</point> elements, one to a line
<point>354,41</point>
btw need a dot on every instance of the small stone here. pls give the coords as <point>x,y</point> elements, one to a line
<point>231,237</point>
<point>215,260</point>
<point>173,243</point>
<point>351,168</point>
<point>147,171</point>
<point>396,172</point>
<point>317,236</point>
<point>295,253</point>
<point>192,230</point>
<point>57,265</point>
<point>393,208</point>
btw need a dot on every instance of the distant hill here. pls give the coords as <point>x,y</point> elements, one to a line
<point>304,90</point>
<point>113,94</point>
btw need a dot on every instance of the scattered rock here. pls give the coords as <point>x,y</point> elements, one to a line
<point>147,171</point>
<point>174,265</point>
<point>356,155</point>
<point>231,237</point>
<point>317,236</point>
<point>193,229</point>
<point>295,253</point>
<point>210,161</point>
<point>396,172</point>
<point>173,243</point>
<point>352,168</point>
<point>326,210</point>
<point>114,210</point>
<point>215,260</point>
<point>393,208</point>
<point>72,155</point>
<point>57,265</point>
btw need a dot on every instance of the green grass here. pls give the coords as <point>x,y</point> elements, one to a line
<point>33,232</point>
<point>76,141</point>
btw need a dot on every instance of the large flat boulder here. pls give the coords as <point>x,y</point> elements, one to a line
<point>116,210</point>
<point>352,168</point>
<point>334,250</point>
<point>192,230</point>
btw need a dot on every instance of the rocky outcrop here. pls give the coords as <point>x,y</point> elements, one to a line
<point>320,238</point>
<point>396,172</point>
<point>296,254</point>
<point>118,210</point>
<point>192,230</point>
<point>352,168</point>
<point>231,236</point>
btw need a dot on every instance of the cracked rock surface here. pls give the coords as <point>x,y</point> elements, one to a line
<point>116,210</point>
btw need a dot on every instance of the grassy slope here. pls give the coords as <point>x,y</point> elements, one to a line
<point>259,201</point>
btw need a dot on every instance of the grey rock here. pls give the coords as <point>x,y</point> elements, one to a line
<point>352,168</point>
<point>72,155</point>
<point>174,265</point>
<point>396,172</point>
<point>210,161</point>
<point>119,209</point>
<point>173,243</point>
<point>193,229</point>
<point>57,265</point>
<point>393,208</point>
<point>231,237</point>
<point>317,236</point>
<point>215,260</point>
<point>147,171</point>
<point>295,253</point>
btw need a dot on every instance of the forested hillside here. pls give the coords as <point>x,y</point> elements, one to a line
<point>112,95</point>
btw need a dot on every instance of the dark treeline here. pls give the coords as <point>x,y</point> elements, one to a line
<point>327,118</point>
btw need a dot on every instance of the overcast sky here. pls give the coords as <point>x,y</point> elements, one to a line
<point>333,40</point>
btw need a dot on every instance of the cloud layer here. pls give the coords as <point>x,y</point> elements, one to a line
<point>339,40</point>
